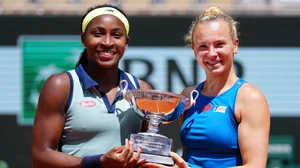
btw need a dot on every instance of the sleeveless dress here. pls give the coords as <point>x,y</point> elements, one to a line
<point>209,130</point>
<point>92,125</point>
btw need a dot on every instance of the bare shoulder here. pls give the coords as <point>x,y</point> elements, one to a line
<point>57,85</point>
<point>251,103</point>
<point>53,96</point>
<point>186,91</point>
<point>250,94</point>
<point>144,84</point>
<point>58,81</point>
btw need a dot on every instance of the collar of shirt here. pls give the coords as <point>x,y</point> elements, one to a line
<point>88,83</point>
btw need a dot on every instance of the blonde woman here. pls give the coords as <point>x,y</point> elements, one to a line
<point>229,125</point>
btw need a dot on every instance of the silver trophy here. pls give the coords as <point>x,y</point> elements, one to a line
<point>157,107</point>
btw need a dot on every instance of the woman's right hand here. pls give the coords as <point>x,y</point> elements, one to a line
<point>122,156</point>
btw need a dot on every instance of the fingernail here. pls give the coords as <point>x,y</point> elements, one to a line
<point>131,141</point>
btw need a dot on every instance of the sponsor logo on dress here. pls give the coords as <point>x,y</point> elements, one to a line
<point>206,108</point>
<point>220,109</point>
<point>87,104</point>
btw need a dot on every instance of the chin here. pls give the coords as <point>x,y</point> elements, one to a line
<point>108,64</point>
<point>217,72</point>
<point>105,65</point>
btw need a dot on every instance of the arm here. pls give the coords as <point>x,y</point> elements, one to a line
<point>253,131</point>
<point>48,125</point>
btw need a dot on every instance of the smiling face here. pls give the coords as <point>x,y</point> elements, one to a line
<point>214,47</point>
<point>105,41</point>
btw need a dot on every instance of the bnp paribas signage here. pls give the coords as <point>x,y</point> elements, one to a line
<point>43,56</point>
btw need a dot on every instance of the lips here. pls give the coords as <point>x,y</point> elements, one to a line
<point>213,63</point>
<point>106,55</point>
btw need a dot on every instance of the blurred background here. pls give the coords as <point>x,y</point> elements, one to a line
<point>41,37</point>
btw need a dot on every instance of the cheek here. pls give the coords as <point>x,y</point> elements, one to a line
<point>199,55</point>
<point>225,53</point>
<point>121,45</point>
<point>91,43</point>
<point>199,58</point>
<point>91,39</point>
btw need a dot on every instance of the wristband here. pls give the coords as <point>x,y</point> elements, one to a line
<point>91,161</point>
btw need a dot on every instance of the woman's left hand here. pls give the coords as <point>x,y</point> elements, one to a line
<point>179,163</point>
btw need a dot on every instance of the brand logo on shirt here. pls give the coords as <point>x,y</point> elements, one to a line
<point>87,104</point>
<point>206,108</point>
<point>220,109</point>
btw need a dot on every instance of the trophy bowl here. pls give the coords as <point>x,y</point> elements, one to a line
<point>157,107</point>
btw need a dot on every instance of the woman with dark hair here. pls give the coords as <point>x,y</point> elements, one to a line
<point>81,119</point>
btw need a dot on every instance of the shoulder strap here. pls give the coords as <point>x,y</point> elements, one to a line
<point>133,80</point>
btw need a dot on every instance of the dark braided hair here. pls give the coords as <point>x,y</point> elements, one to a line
<point>83,56</point>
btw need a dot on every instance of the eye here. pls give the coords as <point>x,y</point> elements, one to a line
<point>220,44</point>
<point>117,35</point>
<point>98,34</point>
<point>202,47</point>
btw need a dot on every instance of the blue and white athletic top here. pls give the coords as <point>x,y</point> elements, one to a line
<point>92,125</point>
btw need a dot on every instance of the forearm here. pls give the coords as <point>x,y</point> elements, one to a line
<point>54,159</point>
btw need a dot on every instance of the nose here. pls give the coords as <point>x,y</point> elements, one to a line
<point>107,41</point>
<point>212,51</point>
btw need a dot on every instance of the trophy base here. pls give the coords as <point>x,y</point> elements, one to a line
<point>155,147</point>
<point>164,160</point>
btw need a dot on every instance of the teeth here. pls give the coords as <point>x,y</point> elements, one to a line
<point>107,53</point>
<point>212,63</point>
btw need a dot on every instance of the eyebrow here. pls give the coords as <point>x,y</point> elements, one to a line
<point>114,29</point>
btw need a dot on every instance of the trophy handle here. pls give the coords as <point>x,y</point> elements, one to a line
<point>124,89</point>
<point>192,99</point>
<point>130,98</point>
<point>183,105</point>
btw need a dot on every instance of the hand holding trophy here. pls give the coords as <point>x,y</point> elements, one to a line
<point>158,108</point>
